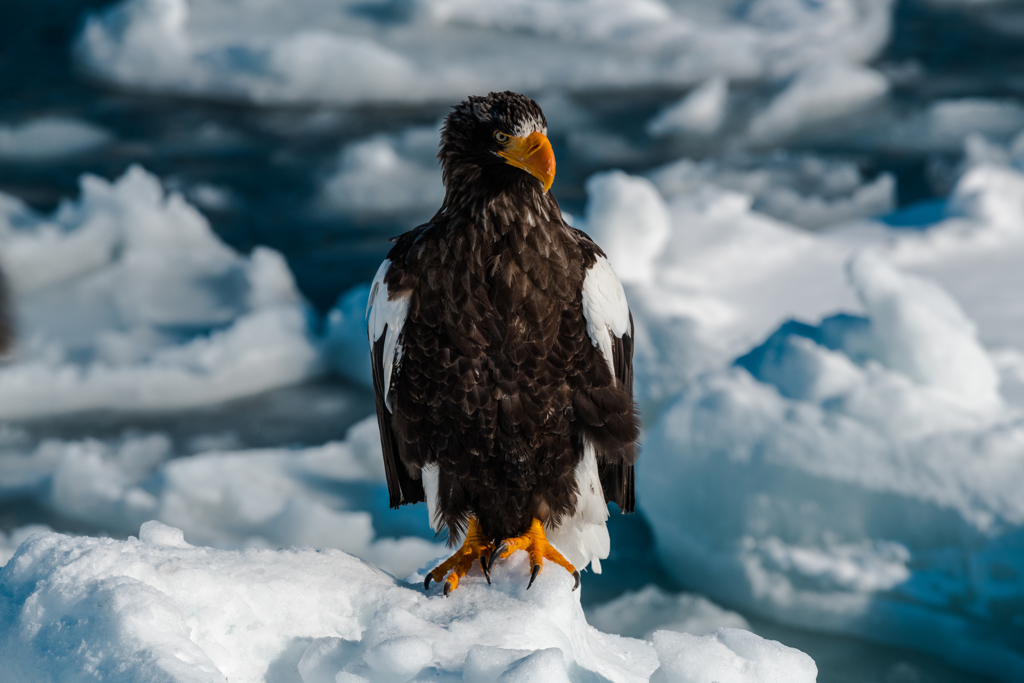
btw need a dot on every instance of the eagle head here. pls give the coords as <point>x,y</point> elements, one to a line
<point>496,142</point>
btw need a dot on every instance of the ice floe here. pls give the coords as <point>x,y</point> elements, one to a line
<point>157,608</point>
<point>439,50</point>
<point>48,138</point>
<point>840,453</point>
<point>125,299</point>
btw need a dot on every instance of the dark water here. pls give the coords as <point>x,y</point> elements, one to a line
<point>272,160</point>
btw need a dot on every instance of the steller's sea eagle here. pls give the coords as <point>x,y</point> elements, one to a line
<point>502,353</point>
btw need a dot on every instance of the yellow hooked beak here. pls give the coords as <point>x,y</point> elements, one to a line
<point>534,155</point>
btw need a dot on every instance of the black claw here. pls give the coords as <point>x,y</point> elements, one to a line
<point>576,575</point>
<point>533,575</point>
<point>499,549</point>
<point>487,572</point>
<point>447,588</point>
<point>426,581</point>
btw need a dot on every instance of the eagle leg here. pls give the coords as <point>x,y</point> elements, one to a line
<point>535,542</point>
<point>475,547</point>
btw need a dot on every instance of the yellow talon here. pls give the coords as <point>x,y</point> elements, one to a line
<point>474,547</point>
<point>535,542</point>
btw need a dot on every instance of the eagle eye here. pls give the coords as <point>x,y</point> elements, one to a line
<point>500,137</point>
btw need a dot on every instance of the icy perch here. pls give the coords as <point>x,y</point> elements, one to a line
<point>159,609</point>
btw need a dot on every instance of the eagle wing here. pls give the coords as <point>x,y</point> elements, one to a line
<point>385,318</point>
<point>610,328</point>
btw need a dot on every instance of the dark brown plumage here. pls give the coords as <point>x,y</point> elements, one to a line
<point>498,382</point>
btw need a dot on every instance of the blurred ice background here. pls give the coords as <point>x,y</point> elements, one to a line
<point>817,207</point>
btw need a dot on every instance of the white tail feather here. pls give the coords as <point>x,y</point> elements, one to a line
<point>583,538</point>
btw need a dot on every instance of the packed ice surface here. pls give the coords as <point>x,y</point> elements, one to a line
<point>834,419</point>
<point>156,608</point>
<point>49,138</point>
<point>126,299</point>
<point>324,496</point>
<point>440,50</point>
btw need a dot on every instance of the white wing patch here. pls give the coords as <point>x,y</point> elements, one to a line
<point>583,538</point>
<point>605,308</point>
<point>383,313</point>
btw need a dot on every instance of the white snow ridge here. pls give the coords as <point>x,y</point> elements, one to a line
<point>158,609</point>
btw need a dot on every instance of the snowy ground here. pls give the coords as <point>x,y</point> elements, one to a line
<point>158,608</point>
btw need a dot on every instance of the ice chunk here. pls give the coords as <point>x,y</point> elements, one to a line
<point>817,94</point>
<point>951,121</point>
<point>127,300</point>
<point>50,138</point>
<point>160,534</point>
<point>628,218</point>
<point>922,333</point>
<point>729,656</point>
<point>639,614</point>
<point>700,112</point>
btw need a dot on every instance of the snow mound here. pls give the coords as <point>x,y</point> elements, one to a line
<point>439,50</point>
<point>126,300</point>
<point>157,608</point>
<point>48,138</point>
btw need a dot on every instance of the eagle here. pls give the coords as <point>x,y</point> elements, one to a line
<point>501,345</point>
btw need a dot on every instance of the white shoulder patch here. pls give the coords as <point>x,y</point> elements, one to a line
<point>604,307</point>
<point>381,314</point>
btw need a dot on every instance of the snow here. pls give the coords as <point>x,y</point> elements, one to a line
<point>50,137</point>
<point>438,50</point>
<point>157,608</point>
<point>126,300</point>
